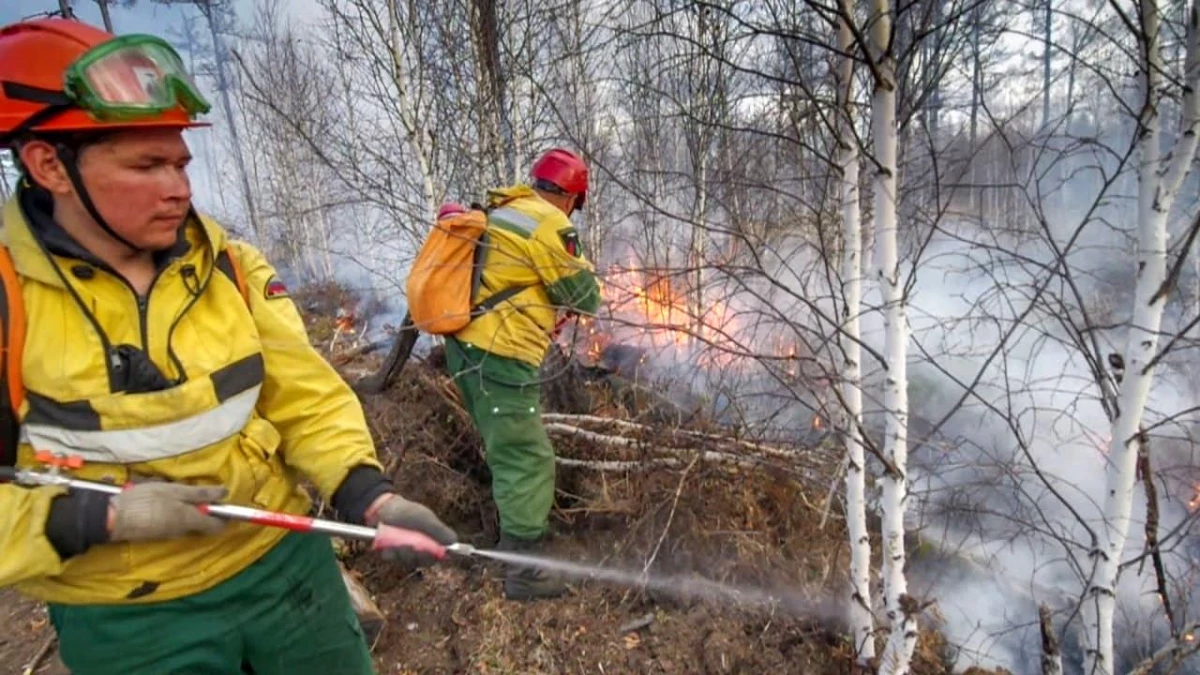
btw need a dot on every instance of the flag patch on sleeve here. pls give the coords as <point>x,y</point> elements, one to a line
<point>570,241</point>
<point>275,289</point>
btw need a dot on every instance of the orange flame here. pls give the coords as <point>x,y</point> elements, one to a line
<point>663,308</point>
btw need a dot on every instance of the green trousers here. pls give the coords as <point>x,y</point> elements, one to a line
<point>503,398</point>
<point>289,612</point>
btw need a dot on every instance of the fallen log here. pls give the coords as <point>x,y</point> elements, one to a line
<point>342,358</point>
<point>649,453</point>
<point>676,434</point>
<point>682,442</point>
<point>394,362</point>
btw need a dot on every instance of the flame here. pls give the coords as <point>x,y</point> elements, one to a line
<point>659,308</point>
<point>817,423</point>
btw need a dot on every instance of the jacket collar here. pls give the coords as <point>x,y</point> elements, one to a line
<point>503,195</point>
<point>30,232</point>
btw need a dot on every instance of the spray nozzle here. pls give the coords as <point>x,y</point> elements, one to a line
<point>461,549</point>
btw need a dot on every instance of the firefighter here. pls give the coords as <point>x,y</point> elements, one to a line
<point>143,357</point>
<point>534,253</point>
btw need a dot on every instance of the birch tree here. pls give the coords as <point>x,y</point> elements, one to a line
<point>861,619</point>
<point>902,639</point>
<point>1160,174</point>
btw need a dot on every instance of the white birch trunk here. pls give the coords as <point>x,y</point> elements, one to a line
<point>861,619</point>
<point>409,116</point>
<point>902,639</point>
<point>1159,178</point>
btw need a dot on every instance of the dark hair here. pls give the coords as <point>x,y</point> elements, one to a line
<point>75,141</point>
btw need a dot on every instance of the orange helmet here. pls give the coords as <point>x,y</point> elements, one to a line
<point>62,75</point>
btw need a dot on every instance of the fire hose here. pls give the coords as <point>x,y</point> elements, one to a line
<point>381,537</point>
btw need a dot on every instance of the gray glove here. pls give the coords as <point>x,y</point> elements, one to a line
<point>400,512</point>
<point>156,510</point>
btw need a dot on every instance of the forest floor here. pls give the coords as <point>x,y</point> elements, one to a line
<point>751,527</point>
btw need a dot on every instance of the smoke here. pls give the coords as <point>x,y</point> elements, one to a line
<point>1012,321</point>
<point>1010,488</point>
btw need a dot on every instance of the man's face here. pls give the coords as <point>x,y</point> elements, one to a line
<point>139,184</point>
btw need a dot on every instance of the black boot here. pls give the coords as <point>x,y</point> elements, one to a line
<point>522,582</point>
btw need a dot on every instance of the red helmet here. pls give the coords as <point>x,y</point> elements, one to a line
<point>563,171</point>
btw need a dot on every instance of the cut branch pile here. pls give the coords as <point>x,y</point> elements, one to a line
<point>609,444</point>
<point>608,463</point>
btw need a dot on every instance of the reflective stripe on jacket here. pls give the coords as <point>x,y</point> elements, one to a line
<point>532,243</point>
<point>247,403</point>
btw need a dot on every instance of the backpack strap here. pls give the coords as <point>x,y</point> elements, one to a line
<point>227,262</point>
<point>480,254</point>
<point>12,332</point>
<point>497,298</point>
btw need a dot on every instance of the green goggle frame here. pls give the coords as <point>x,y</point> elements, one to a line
<point>130,77</point>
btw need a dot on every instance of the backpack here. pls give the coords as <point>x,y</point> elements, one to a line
<point>12,333</point>
<point>447,273</point>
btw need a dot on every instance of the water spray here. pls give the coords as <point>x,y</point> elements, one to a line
<point>387,536</point>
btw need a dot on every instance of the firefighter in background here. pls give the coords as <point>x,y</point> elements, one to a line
<point>496,358</point>
<point>142,358</point>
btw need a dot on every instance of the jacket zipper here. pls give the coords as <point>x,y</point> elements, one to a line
<point>143,305</point>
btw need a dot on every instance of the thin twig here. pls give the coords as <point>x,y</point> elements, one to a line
<point>837,477</point>
<point>670,517</point>
<point>1182,646</point>
<point>40,656</point>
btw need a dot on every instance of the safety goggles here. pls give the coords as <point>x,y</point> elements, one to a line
<point>132,76</point>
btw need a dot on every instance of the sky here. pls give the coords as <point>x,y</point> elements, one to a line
<point>146,16</point>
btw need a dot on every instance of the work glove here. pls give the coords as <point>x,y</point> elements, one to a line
<point>399,512</point>
<point>157,510</point>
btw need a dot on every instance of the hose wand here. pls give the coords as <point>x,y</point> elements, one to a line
<point>381,537</point>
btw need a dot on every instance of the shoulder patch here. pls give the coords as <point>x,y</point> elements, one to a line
<point>570,240</point>
<point>275,289</point>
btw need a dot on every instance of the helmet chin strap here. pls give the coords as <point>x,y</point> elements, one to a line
<point>70,161</point>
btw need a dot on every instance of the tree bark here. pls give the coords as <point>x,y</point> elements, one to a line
<point>1159,178</point>
<point>900,609</point>
<point>1051,652</point>
<point>861,620</point>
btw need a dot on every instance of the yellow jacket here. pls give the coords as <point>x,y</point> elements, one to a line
<point>531,243</point>
<point>251,406</point>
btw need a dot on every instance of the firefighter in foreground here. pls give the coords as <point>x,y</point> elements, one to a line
<point>495,359</point>
<point>144,358</point>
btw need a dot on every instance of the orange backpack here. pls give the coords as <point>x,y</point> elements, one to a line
<point>447,273</point>
<point>12,314</point>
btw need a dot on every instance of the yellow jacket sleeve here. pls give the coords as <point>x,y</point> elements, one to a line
<point>28,552</point>
<point>324,430</point>
<point>557,256</point>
